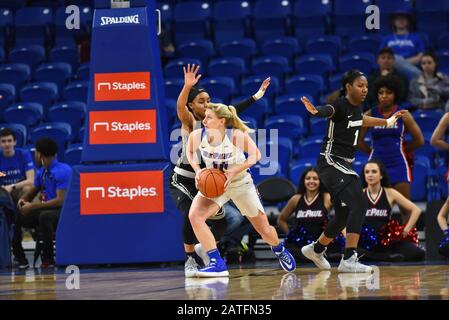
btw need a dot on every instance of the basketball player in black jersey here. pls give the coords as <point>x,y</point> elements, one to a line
<point>335,169</point>
<point>381,197</point>
<point>310,208</point>
<point>191,107</point>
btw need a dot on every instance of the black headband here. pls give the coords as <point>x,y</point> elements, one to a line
<point>194,92</point>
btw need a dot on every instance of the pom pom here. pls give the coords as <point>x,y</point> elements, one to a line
<point>369,239</point>
<point>300,236</point>
<point>392,232</point>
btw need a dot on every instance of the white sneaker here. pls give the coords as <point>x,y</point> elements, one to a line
<point>202,254</point>
<point>352,264</point>
<point>317,258</point>
<point>190,267</point>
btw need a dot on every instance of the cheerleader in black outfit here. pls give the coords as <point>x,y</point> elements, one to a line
<point>378,241</point>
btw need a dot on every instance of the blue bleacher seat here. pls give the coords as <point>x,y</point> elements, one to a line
<point>320,64</point>
<point>81,134</point>
<point>419,185</point>
<point>191,20</point>
<point>173,69</point>
<point>269,19</point>
<point>19,130</point>
<point>31,55</point>
<point>363,61</point>
<point>443,41</point>
<point>258,110</point>
<point>299,167</point>
<point>72,156</point>
<point>291,104</point>
<point>199,49</point>
<point>82,74</point>
<point>318,126</point>
<point>166,9</point>
<point>56,72</point>
<point>29,114</point>
<point>251,122</point>
<point>60,132</point>
<point>71,112</point>
<point>441,172</point>
<point>328,44</point>
<point>65,54</point>
<point>32,25</point>
<point>16,74</point>
<point>427,121</point>
<point>251,85</point>
<point>261,171</point>
<point>233,67</point>
<point>7,94</point>
<point>312,85</point>
<point>268,66</point>
<point>219,87</point>
<point>365,43</point>
<point>350,16</point>
<point>285,46</point>
<point>310,147</point>
<point>230,20</point>
<point>280,150</point>
<point>6,24</point>
<point>443,58</point>
<point>288,126</point>
<point>242,48</point>
<point>2,55</point>
<point>76,90</point>
<point>432,16</point>
<point>311,17</point>
<point>335,81</point>
<point>44,93</point>
<point>173,87</point>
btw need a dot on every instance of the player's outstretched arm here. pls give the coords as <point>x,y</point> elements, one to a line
<point>326,111</point>
<point>374,122</point>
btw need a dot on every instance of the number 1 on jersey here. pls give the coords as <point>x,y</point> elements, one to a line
<point>356,137</point>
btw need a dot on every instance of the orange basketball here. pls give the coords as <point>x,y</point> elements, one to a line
<point>211,183</point>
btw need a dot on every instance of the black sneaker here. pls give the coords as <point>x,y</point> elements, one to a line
<point>21,263</point>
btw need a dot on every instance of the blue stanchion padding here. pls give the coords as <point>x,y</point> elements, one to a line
<point>94,229</point>
<point>126,117</point>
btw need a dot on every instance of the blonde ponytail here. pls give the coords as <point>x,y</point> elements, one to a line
<point>230,114</point>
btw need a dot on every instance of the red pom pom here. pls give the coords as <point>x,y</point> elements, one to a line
<point>392,232</point>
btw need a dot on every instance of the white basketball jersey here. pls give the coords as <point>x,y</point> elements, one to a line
<point>223,156</point>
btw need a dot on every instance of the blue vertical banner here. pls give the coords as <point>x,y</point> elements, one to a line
<point>126,118</point>
<point>122,212</point>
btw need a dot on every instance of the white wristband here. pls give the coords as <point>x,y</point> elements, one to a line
<point>259,94</point>
<point>391,121</point>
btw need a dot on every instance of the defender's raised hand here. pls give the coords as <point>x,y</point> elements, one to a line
<point>309,106</point>
<point>190,75</point>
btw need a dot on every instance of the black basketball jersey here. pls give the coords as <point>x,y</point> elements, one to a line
<point>379,210</point>
<point>313,215</point>
<point>342,130</point>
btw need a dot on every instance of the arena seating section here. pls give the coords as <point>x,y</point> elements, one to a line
<point>303,45</point>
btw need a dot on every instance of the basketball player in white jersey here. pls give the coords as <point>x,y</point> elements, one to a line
<point>223,148</point>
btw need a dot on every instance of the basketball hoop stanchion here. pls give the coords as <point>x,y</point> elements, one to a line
<point>117,211</point>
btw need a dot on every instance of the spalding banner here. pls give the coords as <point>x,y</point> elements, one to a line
<point>126,118</point>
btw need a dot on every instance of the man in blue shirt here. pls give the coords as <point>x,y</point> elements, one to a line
<point>16,164</point>
<point>51,181</point>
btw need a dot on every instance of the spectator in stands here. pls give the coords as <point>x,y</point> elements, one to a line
<point>388,144</point>
<point>430,89</point>
<point>310,208</point>
<point>16,164</point>
<point>381,237</point>
<point>385,61</point>
<point>407,46</point>
<point>438,141</point>
<point>51,181</point>
<point>167,49</point>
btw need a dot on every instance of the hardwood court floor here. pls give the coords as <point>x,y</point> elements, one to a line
<point>263,281</point>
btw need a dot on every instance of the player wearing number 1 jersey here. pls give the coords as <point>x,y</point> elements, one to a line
<point>336,173</point>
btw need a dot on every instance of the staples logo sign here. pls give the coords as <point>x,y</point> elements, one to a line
<point>120,127</point>
<point>122,192</point>
<point>122,86</point>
